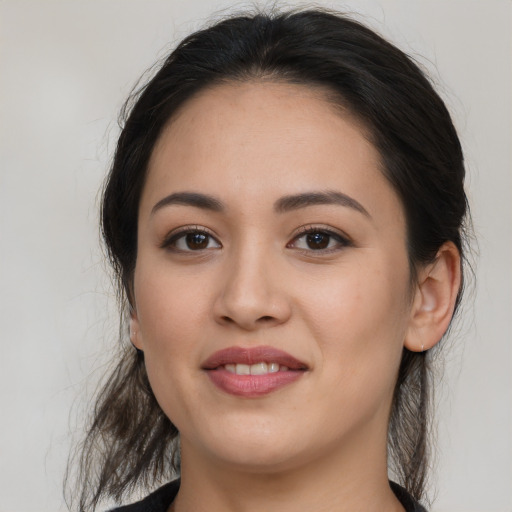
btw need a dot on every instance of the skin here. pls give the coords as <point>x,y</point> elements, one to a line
<point>346,310</point>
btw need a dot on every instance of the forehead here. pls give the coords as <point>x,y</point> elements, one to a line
<point>264,139</point>
<point>277,114</point>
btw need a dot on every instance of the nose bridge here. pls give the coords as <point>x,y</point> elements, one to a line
<point>251,294</point>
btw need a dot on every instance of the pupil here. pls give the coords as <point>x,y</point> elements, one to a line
<point>318,240</point>
<point>197,241</point>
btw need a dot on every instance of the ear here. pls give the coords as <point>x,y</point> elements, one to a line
<point>434,301</point>
<point>135,334</point>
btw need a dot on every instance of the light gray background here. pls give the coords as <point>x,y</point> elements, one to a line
<point>65,68</point>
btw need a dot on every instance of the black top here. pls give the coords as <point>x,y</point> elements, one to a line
<point>160,500</point>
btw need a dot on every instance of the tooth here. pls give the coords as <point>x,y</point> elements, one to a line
<point>243,369</point>
<point>259,369</point>
<point>273,367</point>
<point>231,368</point>
<point>284,368</point>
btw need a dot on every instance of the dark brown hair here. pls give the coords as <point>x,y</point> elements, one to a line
<point>130,442</point>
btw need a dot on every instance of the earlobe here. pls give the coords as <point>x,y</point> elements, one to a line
<point>135,335</point>
<point>434,302</point>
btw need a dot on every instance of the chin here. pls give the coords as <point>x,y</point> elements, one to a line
<point>267,458</point>
<point>256,446</point>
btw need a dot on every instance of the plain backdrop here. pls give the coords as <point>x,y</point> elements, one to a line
<point>65,69</point>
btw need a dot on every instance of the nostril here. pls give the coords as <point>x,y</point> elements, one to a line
<point>266,318</point>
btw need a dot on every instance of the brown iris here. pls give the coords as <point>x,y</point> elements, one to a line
<point>318,240</point>
<point>197,240</point>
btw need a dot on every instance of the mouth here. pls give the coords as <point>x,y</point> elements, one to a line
<point>255,369</point>
<point>252,372</point>
<point>269,359</point>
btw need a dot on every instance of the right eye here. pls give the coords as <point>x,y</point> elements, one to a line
<point>191,240</point>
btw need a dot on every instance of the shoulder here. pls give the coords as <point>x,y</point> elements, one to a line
<point>408,502</point>
<point>157,501</point>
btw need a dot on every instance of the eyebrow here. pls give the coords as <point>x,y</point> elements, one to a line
<point>282,205</point>
<point>190,199</point>
<point>296,201</point>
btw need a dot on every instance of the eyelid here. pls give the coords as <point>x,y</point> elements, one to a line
<point>343,239</point>
<point>181,231</point>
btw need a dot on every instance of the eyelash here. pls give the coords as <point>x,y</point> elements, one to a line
<point>170,241</point>
<point>341,241</point>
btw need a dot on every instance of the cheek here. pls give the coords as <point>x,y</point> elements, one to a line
<point>360,318</point>
<point>171,313</point>
<point>171,320</point>
<point>169,306</point>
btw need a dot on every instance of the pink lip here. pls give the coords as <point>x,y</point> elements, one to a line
<point>253,355</point>
<point>252,386</point>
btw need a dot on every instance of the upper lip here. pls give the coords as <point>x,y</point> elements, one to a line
<point>253,355</point>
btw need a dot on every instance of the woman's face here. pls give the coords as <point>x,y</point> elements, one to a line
<point>268,234</point>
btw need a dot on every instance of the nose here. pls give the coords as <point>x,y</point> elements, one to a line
<point>252,294</point>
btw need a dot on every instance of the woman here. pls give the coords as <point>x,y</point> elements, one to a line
<point>284,216</point>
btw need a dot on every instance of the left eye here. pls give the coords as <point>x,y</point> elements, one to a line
<point>192,241</point>
<point>318,240</point>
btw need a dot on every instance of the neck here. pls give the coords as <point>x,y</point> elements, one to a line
<point>355,480</point>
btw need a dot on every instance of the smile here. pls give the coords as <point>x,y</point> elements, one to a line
<point>255,369</point>
<point>252,372</point>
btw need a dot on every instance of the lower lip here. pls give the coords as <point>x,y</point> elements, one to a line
<point>252,386</point>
